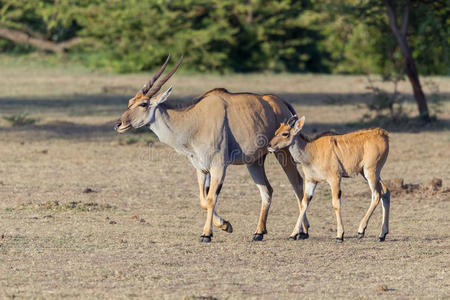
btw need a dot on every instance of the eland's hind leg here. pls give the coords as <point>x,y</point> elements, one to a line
<point>203,184</point>
<point>258,175</point>
<point>375,186</point>
<point>287,163</point>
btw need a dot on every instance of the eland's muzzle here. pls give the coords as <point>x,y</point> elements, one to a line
<point>117,124</point>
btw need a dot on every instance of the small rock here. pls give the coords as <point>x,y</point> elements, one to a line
<point>3,236</point>
<point>435,184</point>
<point>134,217</point>
<point>89,190</point>
<point>142,220</point>
<point>48,216</point>
<point>112,222</point>
<point>395,184</point>
<point>45,151</point>
<point>411,187</point>
<point>382,288</point>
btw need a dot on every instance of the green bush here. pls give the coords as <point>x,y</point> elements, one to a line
<point>349,36</point>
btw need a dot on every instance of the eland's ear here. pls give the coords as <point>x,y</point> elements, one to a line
<point>299,125</point>
<point>164,96</point>
<point>292,121</point>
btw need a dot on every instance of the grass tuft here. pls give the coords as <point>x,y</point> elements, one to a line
<point>21,119</point>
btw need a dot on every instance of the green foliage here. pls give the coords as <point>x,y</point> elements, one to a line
<point>349,36</point>
<point>20,120</point>
<point>219,35</point>
<point>50,20</point>
<point>360,40</point>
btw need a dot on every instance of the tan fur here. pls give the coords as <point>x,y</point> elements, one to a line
<point>348,153</point>
<point>331,157</point>
<point>218,129</point>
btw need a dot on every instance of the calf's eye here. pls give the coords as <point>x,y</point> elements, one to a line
<point>285,134</point>
<point>143,104</point>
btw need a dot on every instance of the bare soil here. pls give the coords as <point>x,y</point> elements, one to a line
<point>86,213</point>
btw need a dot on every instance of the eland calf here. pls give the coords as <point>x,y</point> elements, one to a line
<point>218,130</point>
<point>330,157</point>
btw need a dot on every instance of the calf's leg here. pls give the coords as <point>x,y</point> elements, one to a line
<point>375,187</point>
<point>336,201</point>
<point>298,234</point>
<point>386,206</point>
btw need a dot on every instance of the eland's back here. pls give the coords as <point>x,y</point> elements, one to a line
<point>247,121</point>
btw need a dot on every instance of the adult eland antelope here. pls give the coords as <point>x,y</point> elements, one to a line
<point>219,129</point>
<point>331,157</point>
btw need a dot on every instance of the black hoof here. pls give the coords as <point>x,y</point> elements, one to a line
<point>360,235</point>
<point>302,236</point>
<point>299,236</point>
<point>258,237</point>
<point>205,239</point>
<point>228,227</point>
<point>381,239</point>
<point>341,239</point>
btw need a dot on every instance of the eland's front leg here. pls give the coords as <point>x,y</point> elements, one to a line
<point>204,182</point>
<point>286,161</point>
<point>217,176</point>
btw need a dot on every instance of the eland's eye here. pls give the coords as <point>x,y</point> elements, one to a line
<point>285,134</point>
<point>143,104</point>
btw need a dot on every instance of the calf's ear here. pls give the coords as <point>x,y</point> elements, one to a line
<point>299,125</point>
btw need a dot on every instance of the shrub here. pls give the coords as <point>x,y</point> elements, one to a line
<point>20,119</point>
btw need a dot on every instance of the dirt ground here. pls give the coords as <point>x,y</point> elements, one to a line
<point>87,213</point>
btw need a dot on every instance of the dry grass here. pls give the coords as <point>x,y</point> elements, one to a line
<point>135,233</point>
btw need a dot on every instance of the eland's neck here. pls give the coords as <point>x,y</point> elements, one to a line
<point>171,127</point>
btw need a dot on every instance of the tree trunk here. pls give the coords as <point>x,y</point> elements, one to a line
<point>410,66</point>
<point>20,37</point>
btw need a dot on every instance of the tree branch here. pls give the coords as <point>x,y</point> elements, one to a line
<point>392,16</point>
<point>23,38</point>
<point>410,66</point>
<point>404,29</point>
